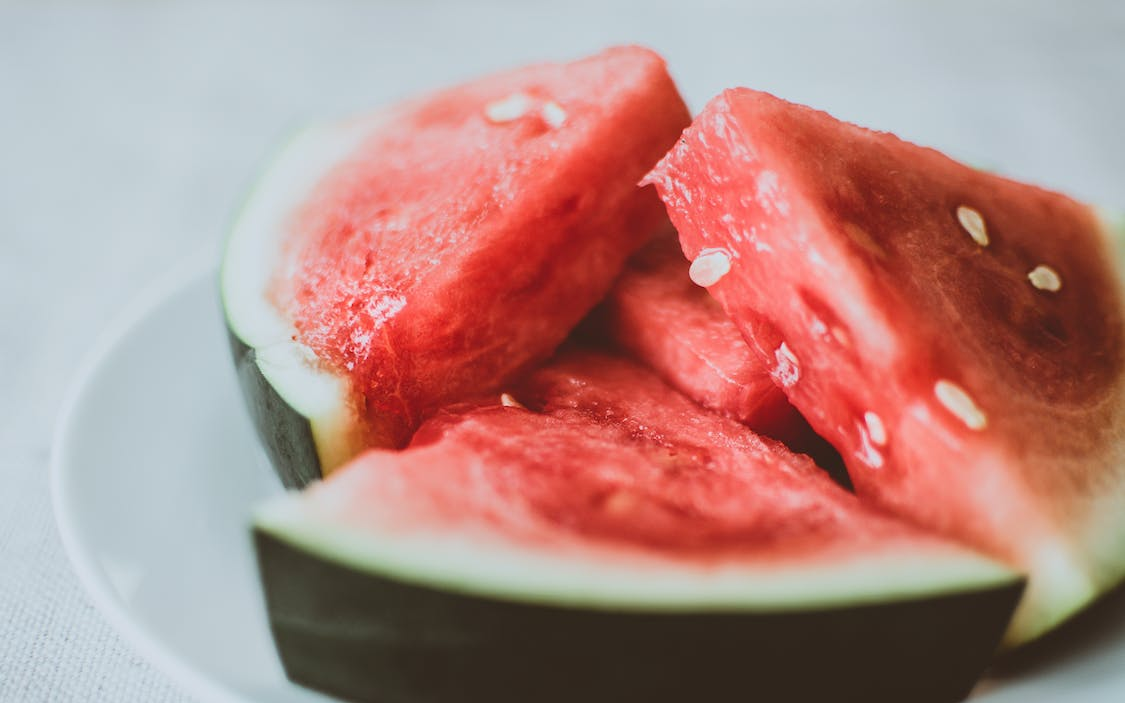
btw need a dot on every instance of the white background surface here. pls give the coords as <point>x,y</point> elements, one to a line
<point>129,131</point>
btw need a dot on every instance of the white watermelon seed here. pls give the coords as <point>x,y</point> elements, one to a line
<point>710,266</point>
<point>957,401</point>
<point>508,401</point>
<point>869,454</point>
<point>973,223</point>
<point>553,114</point>
<point>788,369</point>
<point>875,428</point>
<point>510,108</point>
<point>1045,278</point>
<point>619,502</point>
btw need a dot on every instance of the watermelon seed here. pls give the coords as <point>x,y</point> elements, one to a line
<point>788,369</point>
<point>957,401</point>
<point>619,502</point>
<point>510,108</point>
<point>869,454</point>
<point>973,223</point>
<point>508,401</point>
<point>1045,278</point>
<point>553,114</point>
<point>710,266</point>
<point>875,428</point>
<point>863,239</point>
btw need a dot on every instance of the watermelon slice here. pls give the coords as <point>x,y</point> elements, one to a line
<point>956,335</point>
<point>593,535</point>
<point>660,317</point>
<point>391,264</point>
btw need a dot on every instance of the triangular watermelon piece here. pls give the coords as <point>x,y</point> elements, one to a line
<point>958,336</point>
<point>594,535</point>
<point>388,265</point>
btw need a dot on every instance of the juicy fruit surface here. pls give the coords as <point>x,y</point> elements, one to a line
<point>964,391</point>
<point>596,449</point>
<point>475,227</point>
<point>660,317</point>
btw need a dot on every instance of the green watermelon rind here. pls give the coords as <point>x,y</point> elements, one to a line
<point>443,619</point>
<point>363,636</point>
<point>299,408</point>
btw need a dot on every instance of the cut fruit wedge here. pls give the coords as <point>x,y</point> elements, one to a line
<point>388,265</point>
<point>958,336</point>
<point>604,539</point>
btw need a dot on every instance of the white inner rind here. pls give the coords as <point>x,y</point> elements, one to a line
<point>1112,224</point>
<point>1068,575</point>
<point>252,258</point>
<point>1104,532</point>
<point>488,563</point>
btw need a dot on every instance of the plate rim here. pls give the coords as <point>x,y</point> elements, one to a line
<point>175,280</point>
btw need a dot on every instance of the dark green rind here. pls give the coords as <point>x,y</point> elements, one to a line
<point>285,434</point>
<point>365,637</point>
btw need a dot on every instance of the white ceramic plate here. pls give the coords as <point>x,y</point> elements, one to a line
<point>154,470</point>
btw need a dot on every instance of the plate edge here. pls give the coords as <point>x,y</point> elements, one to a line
<point>144,302</point>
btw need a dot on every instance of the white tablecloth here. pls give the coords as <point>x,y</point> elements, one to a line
<point>129,131</point>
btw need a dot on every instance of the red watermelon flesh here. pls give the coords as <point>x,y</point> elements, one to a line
<point>956,335</point>
<point>474,228</point>
<point>660,317</point>
<point>592,454</point>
